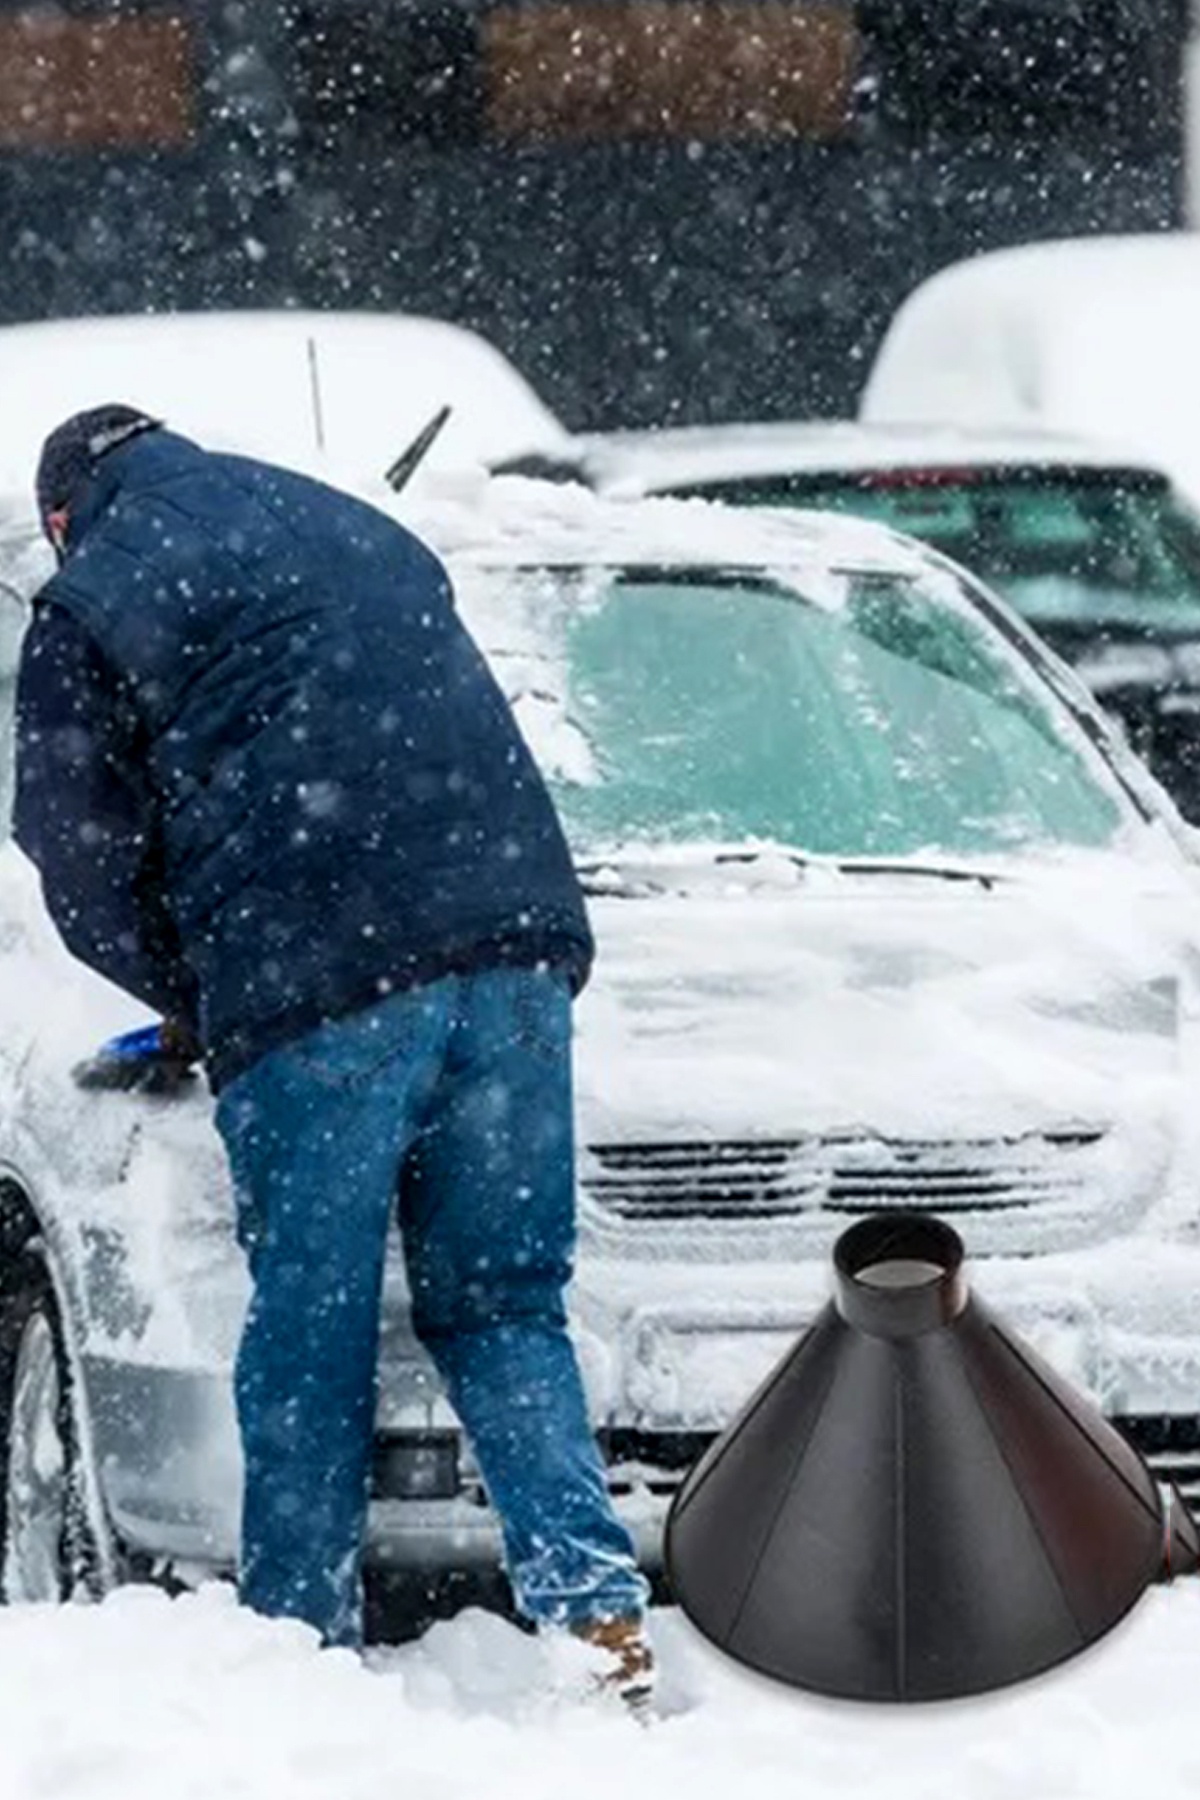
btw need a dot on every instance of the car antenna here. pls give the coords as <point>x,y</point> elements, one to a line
<point>314,387</point>
<point>409,461</point>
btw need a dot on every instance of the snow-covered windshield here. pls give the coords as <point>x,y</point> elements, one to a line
<point>692,705</point>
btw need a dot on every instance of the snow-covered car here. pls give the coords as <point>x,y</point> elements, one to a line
<point>886,918</point>
<point>1095,335</point>
<point>339,394</point>
<point>1098,550</point>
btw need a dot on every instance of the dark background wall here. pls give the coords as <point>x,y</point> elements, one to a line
<point>635,277</point>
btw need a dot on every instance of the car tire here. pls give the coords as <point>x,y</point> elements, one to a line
<point>50,1548</point>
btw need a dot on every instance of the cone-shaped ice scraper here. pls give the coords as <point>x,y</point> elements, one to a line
<point>914,1505</point>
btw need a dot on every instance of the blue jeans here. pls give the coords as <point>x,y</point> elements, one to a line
<point>451,1104</point>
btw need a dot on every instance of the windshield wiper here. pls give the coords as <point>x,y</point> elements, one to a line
<point>868,865</point>
<point>630,875</point>
<point>603,880</point>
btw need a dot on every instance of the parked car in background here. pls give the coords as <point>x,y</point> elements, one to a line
<point>886,918</point>
<point>1094,335</point>
<point>1099,552</point>
<point>334,393</point>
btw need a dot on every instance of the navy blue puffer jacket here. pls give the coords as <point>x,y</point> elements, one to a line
<point>250,700</point>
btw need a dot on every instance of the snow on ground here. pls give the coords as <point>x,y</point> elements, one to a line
<point>145,1698</point>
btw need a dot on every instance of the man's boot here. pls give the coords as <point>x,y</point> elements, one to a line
<point>629,1660</point>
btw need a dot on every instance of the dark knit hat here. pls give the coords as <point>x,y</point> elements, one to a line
<point>72,452</point>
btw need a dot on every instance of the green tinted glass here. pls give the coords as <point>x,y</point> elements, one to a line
<point>731,708</point>
<point>1079,547</point>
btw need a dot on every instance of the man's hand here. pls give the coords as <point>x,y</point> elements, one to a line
<point>156,1059</point>
<point>179,1041</point>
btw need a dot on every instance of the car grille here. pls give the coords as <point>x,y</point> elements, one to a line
<point>796,1177</point>
<point>656,1460</point>
<point>1170,1446</point>
<point>661,1460</point>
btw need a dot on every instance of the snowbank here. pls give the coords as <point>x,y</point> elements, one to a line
<point>146,1698</point>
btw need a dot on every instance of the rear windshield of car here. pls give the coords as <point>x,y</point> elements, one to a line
<point>1076,547</point>
<point>884,719</point>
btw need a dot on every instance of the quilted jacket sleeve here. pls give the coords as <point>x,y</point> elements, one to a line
<point>85,816</point>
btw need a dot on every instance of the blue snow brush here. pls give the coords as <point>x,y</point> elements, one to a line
<point>154,1059</point>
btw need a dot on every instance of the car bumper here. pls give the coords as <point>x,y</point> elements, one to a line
<point>169,1467</point>
<point>1122,1324</point>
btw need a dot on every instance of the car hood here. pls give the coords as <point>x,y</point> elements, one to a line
<point>759,1067</point>
<point>903,1002</point>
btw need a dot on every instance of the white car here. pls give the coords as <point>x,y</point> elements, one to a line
<point>1094,335</point>
<point>885,919</point>
<point>338,394</point>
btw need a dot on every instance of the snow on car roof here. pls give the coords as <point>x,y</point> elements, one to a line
<point>646,460</point>
<point>325,391</point>
<point>1096,335</point>
<point>512,521</point>
<point>1069,267</point>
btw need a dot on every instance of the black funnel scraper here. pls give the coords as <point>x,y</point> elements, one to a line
<point>914,1505</point>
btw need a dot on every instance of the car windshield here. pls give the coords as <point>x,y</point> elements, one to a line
<point>1086,547</point>
<point>885,716</point>
<point>687,706</point>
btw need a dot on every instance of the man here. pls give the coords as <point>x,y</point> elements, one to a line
<point>275,793</point>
